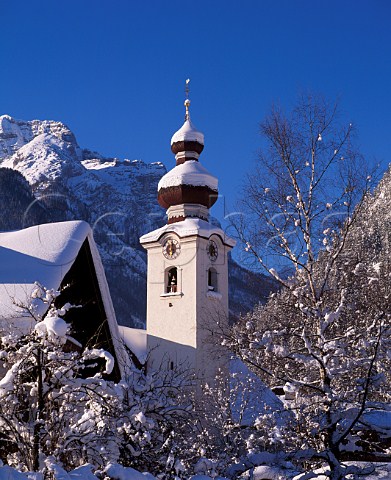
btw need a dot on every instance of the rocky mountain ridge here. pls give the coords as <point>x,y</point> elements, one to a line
<point>116,197</point>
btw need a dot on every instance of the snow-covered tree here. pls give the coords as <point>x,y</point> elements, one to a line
<point>155,421</point>
<point>58,407</point>
<point>49,406</point>
<point>325,336</point>
<point>307,183</point>
<point>234,420</point>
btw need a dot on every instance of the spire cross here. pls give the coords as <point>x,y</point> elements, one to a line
<point>187,88</point>
<point>187,101</point>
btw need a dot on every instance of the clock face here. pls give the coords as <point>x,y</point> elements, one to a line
<point>171,248</point>
<point>212,250</point>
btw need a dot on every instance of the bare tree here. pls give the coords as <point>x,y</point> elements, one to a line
<point>316,337</point>
<point>307,182</point>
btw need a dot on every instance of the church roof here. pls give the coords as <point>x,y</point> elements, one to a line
<point>189,182</point>
<point>44,254</point>
<point>251,397</point>
<point>136,340</point>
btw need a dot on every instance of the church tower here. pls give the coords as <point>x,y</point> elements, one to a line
<point>187,284</point>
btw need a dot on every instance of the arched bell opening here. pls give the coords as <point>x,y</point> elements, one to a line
<point>212,280</point>
<point>171,282</point>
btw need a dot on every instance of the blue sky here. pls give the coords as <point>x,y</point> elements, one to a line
<point>114,71</point>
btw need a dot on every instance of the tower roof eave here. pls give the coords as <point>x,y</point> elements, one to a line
<point>187,228</point>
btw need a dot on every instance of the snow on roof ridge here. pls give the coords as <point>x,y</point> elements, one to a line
<point>47,241</point>
<point>42,253</point>
<point>190,172</point>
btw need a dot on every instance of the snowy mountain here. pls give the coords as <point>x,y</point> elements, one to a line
<point>116,197</point>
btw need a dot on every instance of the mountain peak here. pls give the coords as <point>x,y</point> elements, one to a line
<point>14,133</point>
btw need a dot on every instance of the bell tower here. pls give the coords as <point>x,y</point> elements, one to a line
<point>187,284</point>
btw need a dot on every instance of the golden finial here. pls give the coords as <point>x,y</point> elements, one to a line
<point>187,101</point>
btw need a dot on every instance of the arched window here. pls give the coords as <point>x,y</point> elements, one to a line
<point>172,280</point>
<point>212,280</point>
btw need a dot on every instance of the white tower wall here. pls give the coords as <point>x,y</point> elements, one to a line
<point>184,327</point>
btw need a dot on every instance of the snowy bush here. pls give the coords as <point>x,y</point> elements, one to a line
<point>48,406</point>
<point>155,419</point>
<point>57,406</point>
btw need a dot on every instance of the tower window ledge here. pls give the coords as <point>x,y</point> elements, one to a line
<point>215,295</point>
<point>171,294</point>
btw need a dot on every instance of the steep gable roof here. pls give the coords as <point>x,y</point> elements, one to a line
<point>46,254</point>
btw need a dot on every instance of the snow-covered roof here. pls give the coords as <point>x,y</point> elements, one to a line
<point>136,340</point>
<point>43,253</point>
<point>189,173</point>
<point>251,398</point>
<point>188,133</point>
<point>378,420</point>
<point>187,228</point>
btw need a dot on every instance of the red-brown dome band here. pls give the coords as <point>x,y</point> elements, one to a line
<point>179,194</point>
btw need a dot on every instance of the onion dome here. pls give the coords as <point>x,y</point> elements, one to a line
<point>188,182</point>
<point>188,189</point>
<point>187,143</point>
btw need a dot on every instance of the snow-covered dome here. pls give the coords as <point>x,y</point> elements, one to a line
<point>189,173</point>
<point>187,143</point>
<point>188,183</point>
<point>188,133</point>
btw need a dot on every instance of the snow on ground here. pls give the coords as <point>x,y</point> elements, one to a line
<point>85,472</point>
<point>265,472</point>
<point>8,473</point>
<point>117,472</point>
<point>381,471</point>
